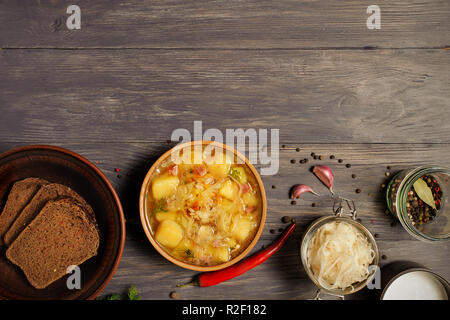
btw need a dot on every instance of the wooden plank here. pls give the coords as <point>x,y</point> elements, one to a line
<point>382,96</point>
<point>225,24</point>
<point>281,277</point>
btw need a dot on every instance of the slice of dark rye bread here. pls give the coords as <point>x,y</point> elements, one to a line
<point>21,193</point>
<point>46,193</point>
<point>61,235</point>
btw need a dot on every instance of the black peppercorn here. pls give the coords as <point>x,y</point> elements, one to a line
<point>286,219</point>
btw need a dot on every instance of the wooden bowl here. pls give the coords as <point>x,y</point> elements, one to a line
<point>146,223</point>
<point>66,167</point>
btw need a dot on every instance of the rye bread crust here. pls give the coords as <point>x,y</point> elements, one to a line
<point>61,235</point>
<point>21,193</point>
<point>46,193</point>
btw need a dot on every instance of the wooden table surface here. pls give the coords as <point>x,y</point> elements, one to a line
<point>115,90</point>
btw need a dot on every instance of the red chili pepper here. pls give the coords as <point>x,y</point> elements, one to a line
<point>215,277</point>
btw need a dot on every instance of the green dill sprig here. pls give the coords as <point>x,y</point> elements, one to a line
<point>160,206</point>
<point>132,294</point>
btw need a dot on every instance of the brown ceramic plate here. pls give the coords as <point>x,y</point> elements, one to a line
<point>66,167</point>
<point>146,224</point>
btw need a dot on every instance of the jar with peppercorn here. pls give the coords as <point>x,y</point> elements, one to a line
<point>417,197</point>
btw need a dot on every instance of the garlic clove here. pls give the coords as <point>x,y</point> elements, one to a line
<point>325,175</point>
<point>299,189</point>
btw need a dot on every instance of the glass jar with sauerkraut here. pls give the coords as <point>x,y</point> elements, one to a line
<point>338,253</point>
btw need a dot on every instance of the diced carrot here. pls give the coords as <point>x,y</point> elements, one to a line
<point>218,198</point>
<point>173,170</point>
<point>250,209</point>
<point>195,206</point>
<point>200,171</point>
<point>245,187</point>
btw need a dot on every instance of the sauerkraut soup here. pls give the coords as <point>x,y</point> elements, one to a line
<point>203,205</point>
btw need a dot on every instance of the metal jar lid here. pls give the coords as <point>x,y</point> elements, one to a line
<point>394,278</point>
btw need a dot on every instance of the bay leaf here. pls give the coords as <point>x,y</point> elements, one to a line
<point>424,192</point>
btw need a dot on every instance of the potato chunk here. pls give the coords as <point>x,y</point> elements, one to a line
<point>164,186</point>
<point>231,242</point>
<point>228,190</point>
<point>163,215</point>
<point>193,155</point>
<point>169,234</point>
<point>243,229</point>
<point>250,199</point>
<point>221,166</point>
<point>221,254</point>
<point>220,170</point>
<point>185,248</point>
